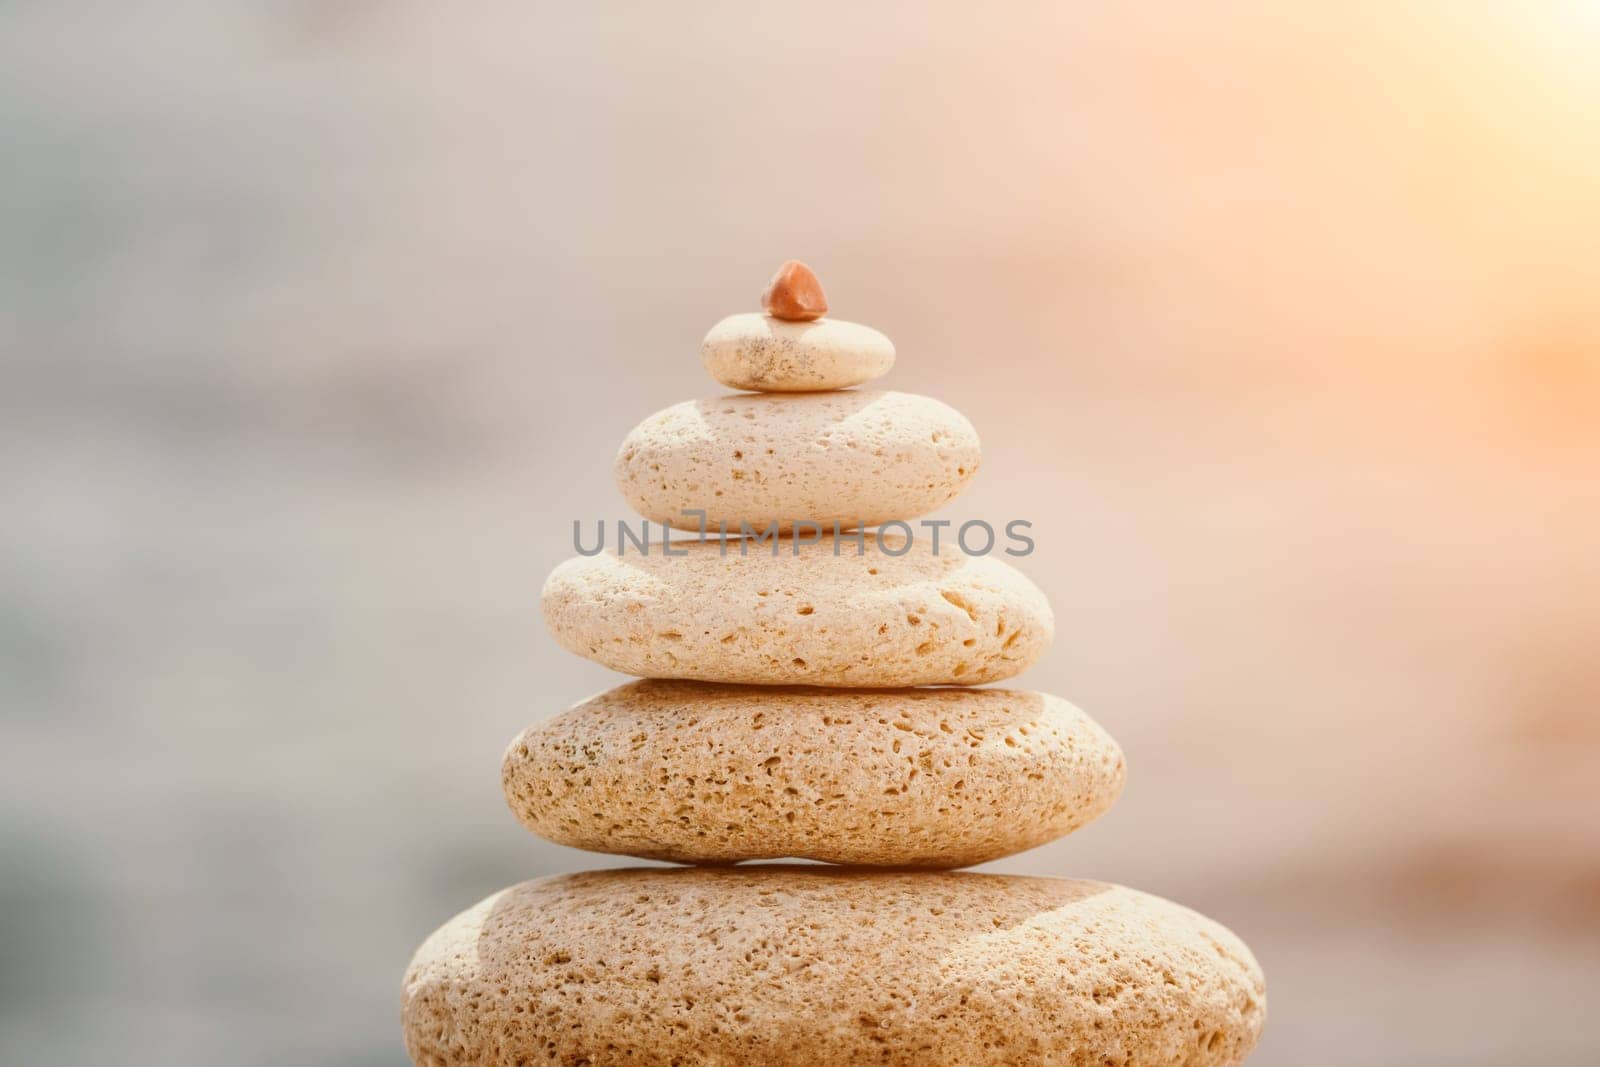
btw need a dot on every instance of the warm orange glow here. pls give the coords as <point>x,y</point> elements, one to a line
<point>320,323</point>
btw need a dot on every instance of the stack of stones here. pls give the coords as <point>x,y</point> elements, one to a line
<point>779,718</point>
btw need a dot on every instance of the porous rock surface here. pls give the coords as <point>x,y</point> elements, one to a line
<point>818,967</point>
<point>855,458</point>
<point>703,773</point>
<point>790,613</point>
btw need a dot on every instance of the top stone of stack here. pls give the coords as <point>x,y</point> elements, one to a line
<point>804,447</point>
<point>791,348</point>
<point>794,294</point>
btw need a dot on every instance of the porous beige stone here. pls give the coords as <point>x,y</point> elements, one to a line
<point>704,773</point>
<point>793,613</point>
<point>858,458</point>
<point>818,967</point>
<point>769,355</point>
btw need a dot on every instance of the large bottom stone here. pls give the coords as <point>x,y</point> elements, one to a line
<point>814,966</point>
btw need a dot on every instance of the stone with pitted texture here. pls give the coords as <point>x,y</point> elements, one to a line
<point>817,967</point>
<point>703,773</point>
<point>856,458</point>
<point>792,613</point>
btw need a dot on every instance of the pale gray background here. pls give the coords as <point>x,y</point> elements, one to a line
<point>322,321</point>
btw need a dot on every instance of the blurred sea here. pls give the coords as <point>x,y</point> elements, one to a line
<point>321,322</point>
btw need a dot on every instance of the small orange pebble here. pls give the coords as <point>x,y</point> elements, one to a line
<point>794,294</point>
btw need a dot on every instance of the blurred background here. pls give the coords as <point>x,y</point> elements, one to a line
<point>321,322</point>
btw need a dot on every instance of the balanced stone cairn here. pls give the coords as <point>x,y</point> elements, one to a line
<point>777,720</point>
